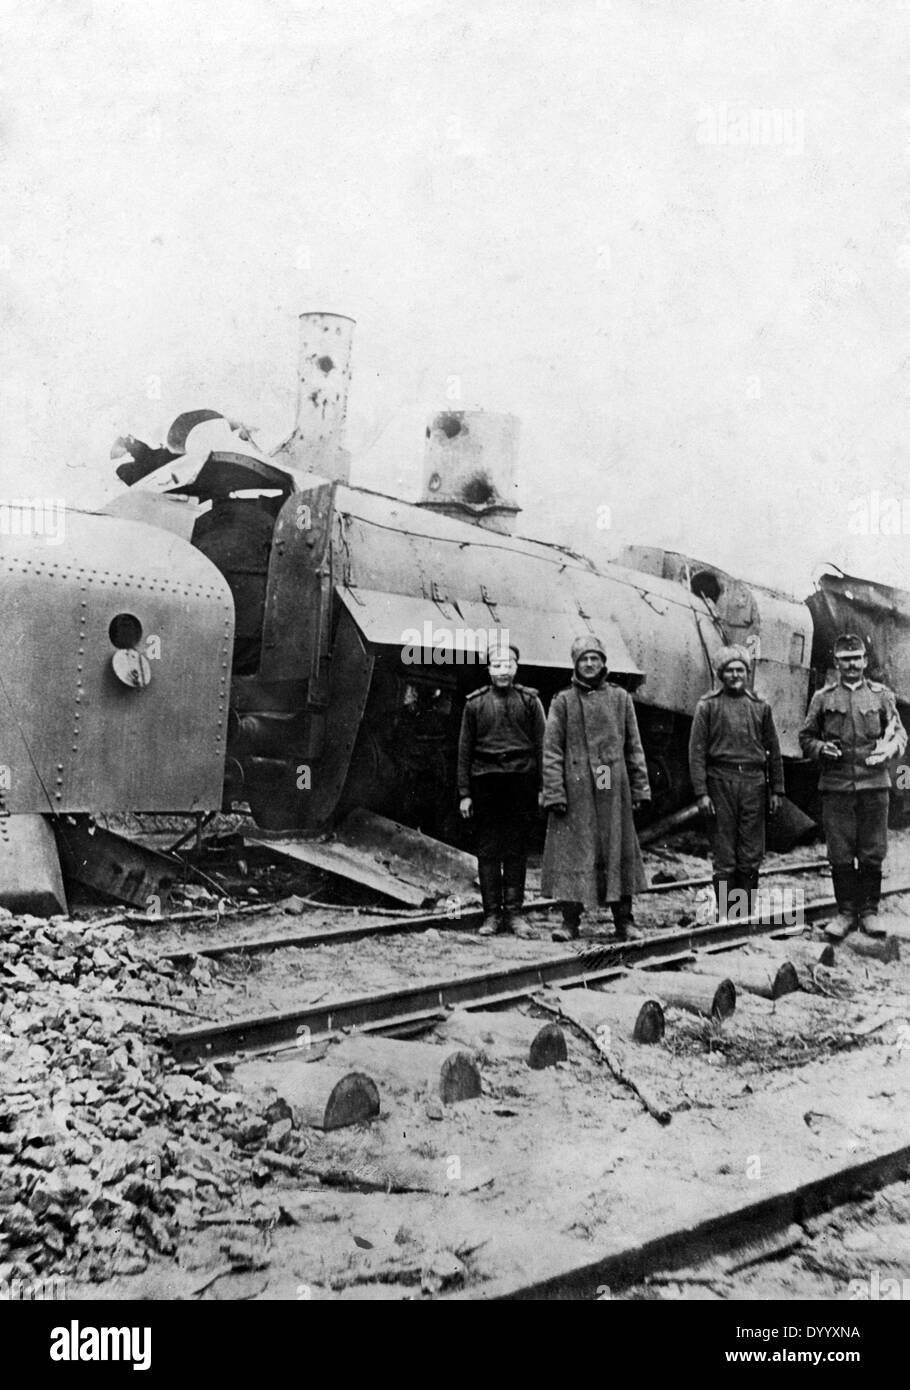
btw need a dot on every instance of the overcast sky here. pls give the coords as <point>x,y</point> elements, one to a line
<point>671,237</point>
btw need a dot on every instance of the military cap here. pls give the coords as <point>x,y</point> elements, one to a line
<point>497,650</point>
<point>849,645</point>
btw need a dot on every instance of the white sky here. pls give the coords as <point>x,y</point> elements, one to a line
<point>709,338</point>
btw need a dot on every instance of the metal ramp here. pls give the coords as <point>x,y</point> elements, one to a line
<point>381,854</point>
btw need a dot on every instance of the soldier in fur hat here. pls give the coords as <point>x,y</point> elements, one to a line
<point>732,745</point>
<point>594,773</point>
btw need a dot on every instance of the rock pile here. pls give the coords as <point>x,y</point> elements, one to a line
<point>109,1152</point>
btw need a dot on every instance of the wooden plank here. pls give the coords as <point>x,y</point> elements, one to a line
<point>700,994</point>
<point>495,1035</point>
<point>319,1094</point>
<point>629,1014</point>
<point>769,977</point>
<point>449,1073</point>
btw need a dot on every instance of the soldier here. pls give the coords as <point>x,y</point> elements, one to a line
<point>732,745</point>
<point>419,741</point>
<point>594,773</point>
<point>852,729</point>
<point>499,760</point>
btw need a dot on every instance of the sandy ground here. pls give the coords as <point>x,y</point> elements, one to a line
<point>544,1170</point>
<point>552,1169</point>
<point>563,1165</point>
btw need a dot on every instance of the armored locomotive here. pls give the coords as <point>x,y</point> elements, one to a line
<point>362,620</point>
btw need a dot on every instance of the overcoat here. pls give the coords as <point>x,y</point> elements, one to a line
<point>593,762</point>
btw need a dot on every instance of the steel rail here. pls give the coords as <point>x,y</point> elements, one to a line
<point>422,1002</point>
<point>348,931</point>
<point>685,1247</point>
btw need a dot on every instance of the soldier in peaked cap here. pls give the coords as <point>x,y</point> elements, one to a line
<point>732,745</point>
<point>594,774</point>
<point>499,761</point>
<point>852,729</point>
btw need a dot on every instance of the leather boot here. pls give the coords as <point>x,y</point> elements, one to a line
<point>490,875</point>
<point>844,879</point>
<point>870,891</point>
<point>748,883</point>
<point>571,916</point>
<point>513,895</point>
<point>723,887</point>
<point>739,899</point>
<point>624,922</point>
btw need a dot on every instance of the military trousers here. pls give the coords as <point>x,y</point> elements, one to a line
<point>856,827</point>
<point>739,820</point>
<point>505,808</point>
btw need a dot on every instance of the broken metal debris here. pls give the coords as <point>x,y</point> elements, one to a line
<point>385,856</point>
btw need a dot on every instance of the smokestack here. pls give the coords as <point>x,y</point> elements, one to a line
<point>323,377</point>
<point>469,468</point>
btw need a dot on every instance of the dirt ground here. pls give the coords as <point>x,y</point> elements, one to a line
<point>133,1177</point>
<point>550,1169</point>
<point>858,1253</point>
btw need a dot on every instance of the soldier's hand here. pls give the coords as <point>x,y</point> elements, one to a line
<point>466,807</point>
<point>774,802</point>
<point>706,805</point>
<point>559,809</point>
<point>540,800</point>
<point>831,750</point>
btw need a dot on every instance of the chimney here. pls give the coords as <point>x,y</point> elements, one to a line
<point>469,468</point>
<point>316,444</point>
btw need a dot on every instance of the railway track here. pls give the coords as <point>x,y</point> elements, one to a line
<point>400,1011</point>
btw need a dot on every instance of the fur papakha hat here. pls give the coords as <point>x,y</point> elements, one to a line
<point>725,655</point>
<point>587,643</point>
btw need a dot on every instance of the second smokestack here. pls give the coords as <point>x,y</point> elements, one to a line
<point>323,378</point>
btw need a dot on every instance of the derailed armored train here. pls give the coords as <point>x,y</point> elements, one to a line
<point>315,641</point>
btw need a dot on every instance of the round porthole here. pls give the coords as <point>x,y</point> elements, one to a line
<point>705,584</point>
<point>125,631</point>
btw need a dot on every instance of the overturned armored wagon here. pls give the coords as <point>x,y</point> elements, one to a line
<point>115,654</point>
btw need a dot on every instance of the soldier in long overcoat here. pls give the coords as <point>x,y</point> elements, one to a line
<point>594,772</point>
